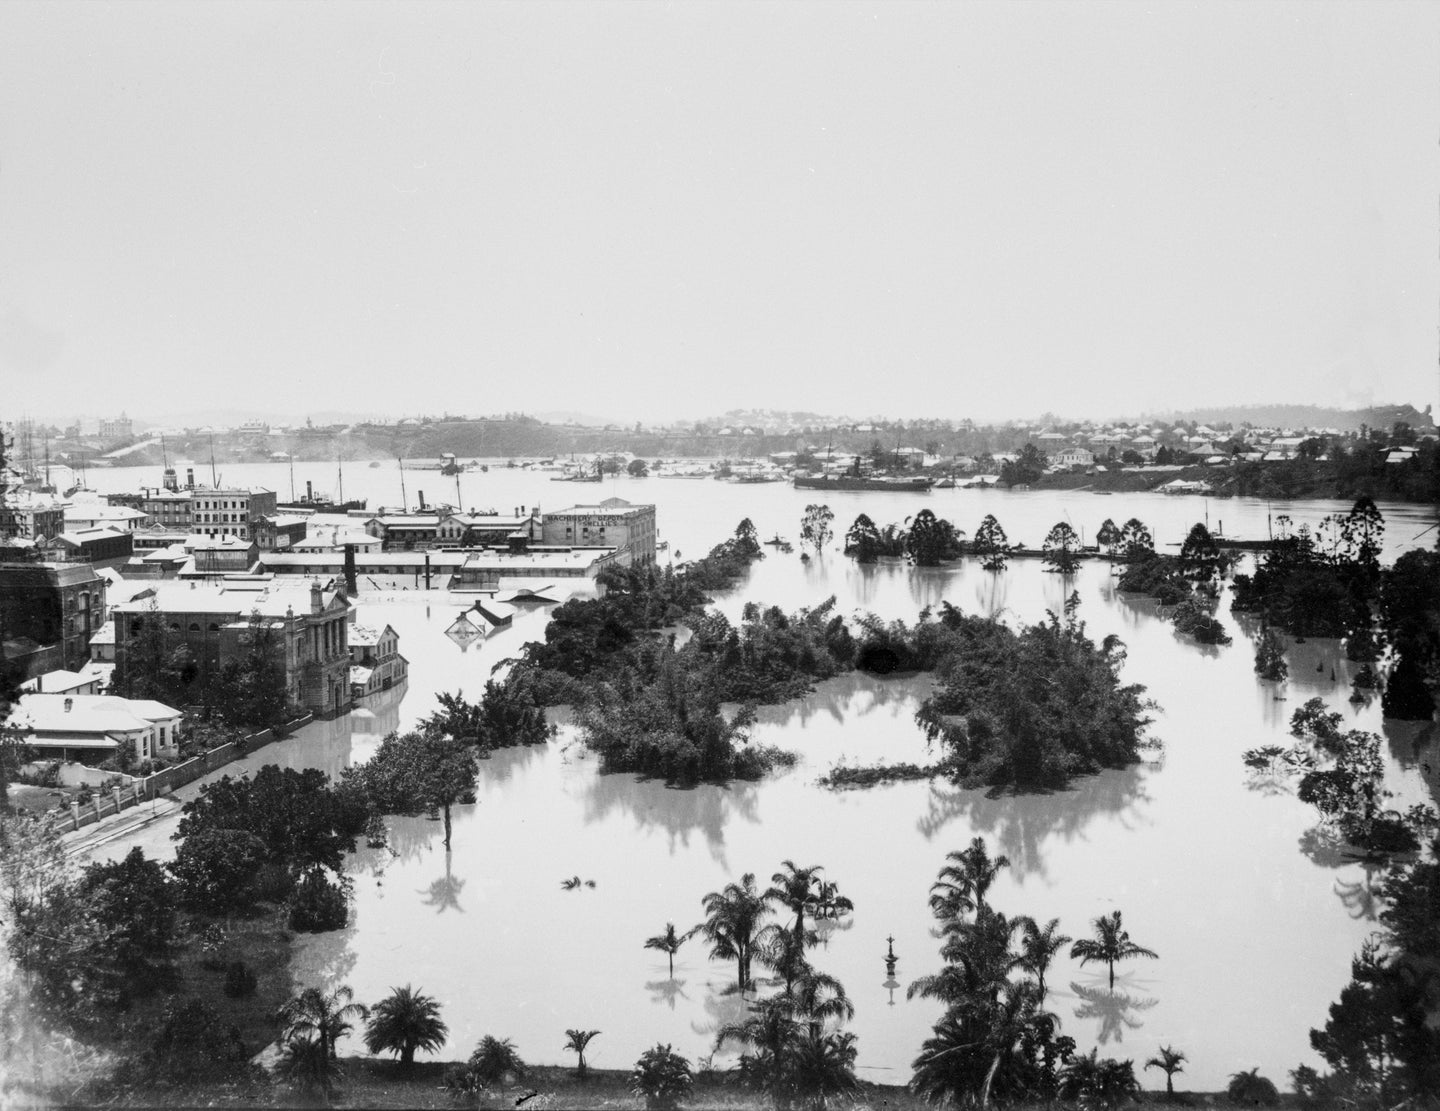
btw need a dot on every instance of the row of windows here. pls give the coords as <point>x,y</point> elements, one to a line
<point>212,517</point>
<point>212,503</point>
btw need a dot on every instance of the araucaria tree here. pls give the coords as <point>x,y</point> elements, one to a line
<point>990,544</point>
<point>863,540</point>
<point>930,539</point>
<point>1109,537</point>
<point>815,526</point>
<point>1111,943</point>
<point>1200,559</point>
<point>404,1021</point>
<point>1135,540</point>
<point>1062,549</point>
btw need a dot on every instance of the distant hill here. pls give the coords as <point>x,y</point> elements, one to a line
<point>1383,417</point>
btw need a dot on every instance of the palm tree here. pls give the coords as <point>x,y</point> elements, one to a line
<point>1172,1061</point>
<point>404,1021</point>
<point>963,881</point>
<point>733,924</point>
<point>327,1017</point>
<point>979,958</point>
<point>796,889</point>
<point>669,942</point>
<point>1111,943</point>
<point>305,1062</point>
<point>1038,947</point>
<point>979,1048</point>
<point>576,1041</point>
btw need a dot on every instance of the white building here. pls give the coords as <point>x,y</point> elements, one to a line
<point>95,726</point>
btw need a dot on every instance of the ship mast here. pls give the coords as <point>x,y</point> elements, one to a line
<point>404,498</point>
<point>214,482</point>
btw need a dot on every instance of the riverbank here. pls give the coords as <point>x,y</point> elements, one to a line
<point>373,1083</point>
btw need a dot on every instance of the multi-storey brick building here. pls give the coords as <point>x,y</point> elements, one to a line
<point>228,512</point>
<point>58,604</point>
<point>309,623</point>
<point>614,523</point>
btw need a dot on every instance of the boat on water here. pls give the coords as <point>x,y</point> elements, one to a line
<point>321,504</point>
<point>863,482</point>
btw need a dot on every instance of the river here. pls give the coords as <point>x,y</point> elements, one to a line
<point>1254,926</point>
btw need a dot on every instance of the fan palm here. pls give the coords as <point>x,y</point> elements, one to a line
<point>1172,1061</point>
<point>404,1021</point>
<point>733,924</point>
<point>1111,943</point>
<point>669,942</point>
<point>327,1017</point>
<point>576,1041</point>
<point>1038,947</point>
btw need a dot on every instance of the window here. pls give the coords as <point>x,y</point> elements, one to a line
<point>194,626</point>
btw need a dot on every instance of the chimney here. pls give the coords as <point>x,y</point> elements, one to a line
<point>69,705</point>
<point>422,501</point>
<point>189,476</point>
<point>350,570</point>
<point>315,597</point>
<point>309,491</point>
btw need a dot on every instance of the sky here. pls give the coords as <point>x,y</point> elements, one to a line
<point>661,211</point>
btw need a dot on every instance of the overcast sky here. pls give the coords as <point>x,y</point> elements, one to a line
<point>656,210</point>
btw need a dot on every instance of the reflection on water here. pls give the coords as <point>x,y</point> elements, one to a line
<point>1023,825</point>
<point>1359,896</point>
<point>1116,1011</point>
<point>677,812</point>
<point>444,893</point>
<point>725,1007</point>
<point>1179,843</point>
<point>667,991</point>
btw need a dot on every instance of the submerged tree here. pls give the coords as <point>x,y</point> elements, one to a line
<point>734,918</point>
<point>1062,547</point>
<point>1111,943</point>
<point>863,540</point>
<point>991,544</point>
<point>815,526</point>
<point>669,942</point>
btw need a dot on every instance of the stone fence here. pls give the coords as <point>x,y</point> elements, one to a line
<point>112,800</point>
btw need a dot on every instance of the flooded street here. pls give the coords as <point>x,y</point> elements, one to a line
<point>1254,928</point>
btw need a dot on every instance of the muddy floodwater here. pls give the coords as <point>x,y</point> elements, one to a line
<point>1254,923</point>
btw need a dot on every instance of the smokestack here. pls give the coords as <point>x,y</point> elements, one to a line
<point>190,476</point>
<point>427,570</point>
<point>350,570</point>
<point>422,500</point>
<point>309,492</point>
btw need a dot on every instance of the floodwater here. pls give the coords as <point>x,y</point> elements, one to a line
<point>1254,924</point>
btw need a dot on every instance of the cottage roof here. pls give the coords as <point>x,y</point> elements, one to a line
<point>87,714</point>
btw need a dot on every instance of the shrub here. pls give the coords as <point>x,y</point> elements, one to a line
<point>318,904</point>
<point>662,1077</point>
<point>1251,1088</point>
<point>240,981</point>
